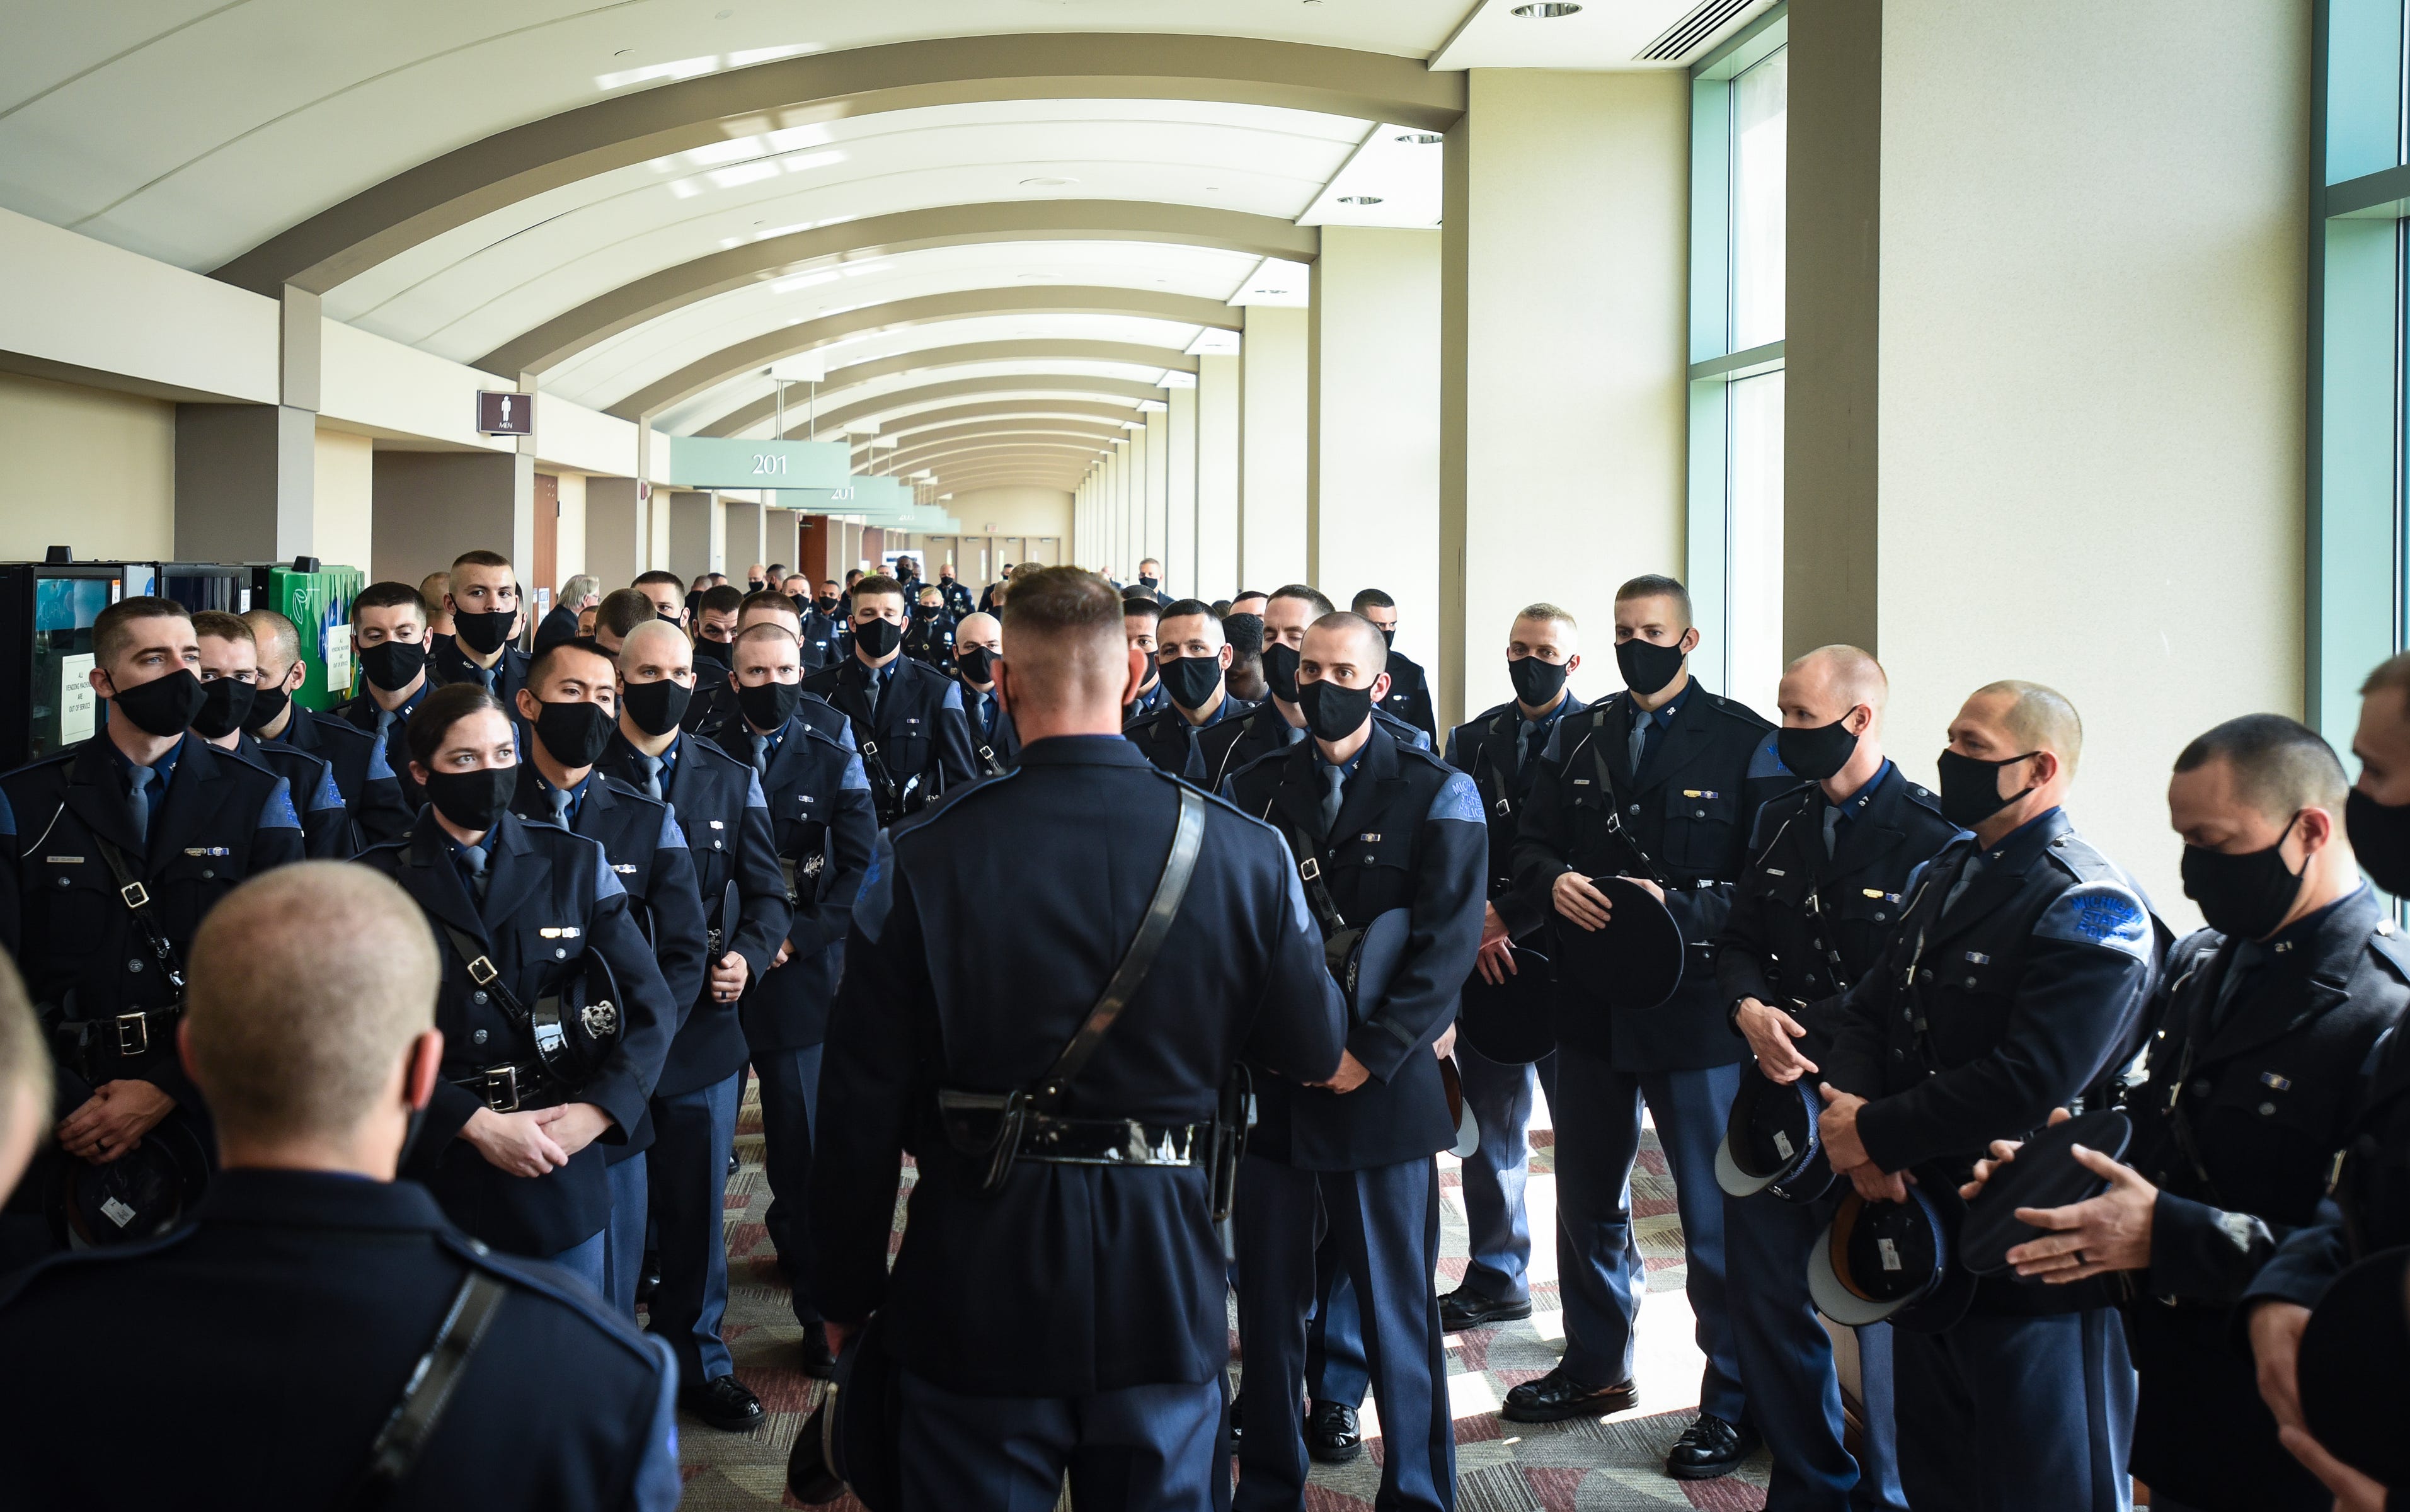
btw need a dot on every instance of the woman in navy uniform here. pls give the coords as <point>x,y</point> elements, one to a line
<point>513,1155</point>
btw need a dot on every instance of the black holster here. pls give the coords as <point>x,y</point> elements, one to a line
<point>987,1128</point>
<point>1231,1121</point>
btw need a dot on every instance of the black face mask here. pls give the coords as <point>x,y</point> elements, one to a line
<point>575,734</point>
<point>1147,582</point>
<point>1537,683</point>
<point>473,799</point>
<point>266,704</point>
<point>711,650</point>
<point>977,664</point>
<point>2380,837</point>
<point>394,665</point>
<point>1817,753</point>
<point>1280,671</point>
<point>877,637</point>
<point>752,585</point>
<point>1332,712</point>
<point>826,604</point>
<point>163,706</point>
<point>767,706</point>
<point>1648,666</point>
<point>1971,788</point>
<point>656,707</point>
<point>1191,679</point>
<point>2243,897</point>
<point>482,634</point>
<point>925,611</point>
<point>224,701</point>
<point>1389,636</point>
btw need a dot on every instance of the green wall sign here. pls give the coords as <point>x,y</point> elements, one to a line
<point>718,462</point>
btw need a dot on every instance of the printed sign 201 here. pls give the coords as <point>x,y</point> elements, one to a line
<point>766,465</point>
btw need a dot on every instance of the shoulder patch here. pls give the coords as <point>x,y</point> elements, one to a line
<point>1765,762</point>
<point>754,796</point>
<point>7,816</point>
<point>2390,948</point>
<point>329,796</point>
<point>672,833</point>
<point>2099,913</point>
<point>855,777</point>
<point>1458,799</point>
<point>607,881</point>
<point>276,813</point>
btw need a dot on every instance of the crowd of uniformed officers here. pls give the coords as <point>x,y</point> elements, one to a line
<point>381,1061</point>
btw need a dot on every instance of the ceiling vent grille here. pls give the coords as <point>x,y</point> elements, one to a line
<point>1686,35</point>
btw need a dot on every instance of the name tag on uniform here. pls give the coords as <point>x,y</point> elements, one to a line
<point>718,825</point>
<point>1978,958</point>
<point>1695,793</point>
<point>804,798</point>
<point>1369,840</point>
<point>65,860</point>
<point>628,870</point>
<point>1581,782</point>
<point>561,932</point>
<point>207,851</point>
<point>2280,1084</point>
<point>1879,893</point>
<point>1776,871</point>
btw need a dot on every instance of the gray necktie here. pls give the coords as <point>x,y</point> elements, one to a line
<point>2249,956</point>
<point>1965,879</point>
<point>651,767</point>
<point>137,804</point>
<point>473,857</point>
<point>1832,828</point>
<point>762,754</point>
<point>1535,739</point>
<point>559,797</point>
<point>871,692</point>
<point>385,726</point>
<point>1639,738</point>
<point>1334,780</point>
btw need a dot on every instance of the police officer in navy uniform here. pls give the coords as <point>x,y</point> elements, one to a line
<point>2265,1018</point>
<point>1384,826</point>
<point>713,709</point>
<point>569,711</point>
<point>2015,984</point>
<point>977,643</point>
<point>1659,782</point>
<point>372,793</point>
<point>817,628</point>
<point>104,956</point>
<point>483,604</point>
<point>930,637</point>
<point>1279,724</point>
<point>907,715</point>
<point>1191,658</point>
<point>510,1149</point>
<point>1499,750</point>
<point>1829,867</point>
<point>962,977</point>
<point>692,1116</point>
<point>1409,696</point>
<point>716,616</point>
<point>389,644</point>
<point>228,669</point>
<point>958,598</point>
<point>1142,613</point>
<point>819,804</point>
<point>311,1287</point>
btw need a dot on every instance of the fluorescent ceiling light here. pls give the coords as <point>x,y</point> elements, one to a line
<point>1547,10</point>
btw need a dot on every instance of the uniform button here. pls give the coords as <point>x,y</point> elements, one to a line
<point>2266,1109</point>
<point>1636,809</point>
<point>1881,917</point>
<point>134,964</point>
<point>1899,1055</point>
<point>558,952</point>
<point>1695,813</point>
<point>1908,1016</point>
<point>2201,1088</point>
<point>478,998</point>
<point>477,1246</point>
<point>1971,982</point>
<point>206,872</point>
<point>478,1038</point>
<point>66,882</point>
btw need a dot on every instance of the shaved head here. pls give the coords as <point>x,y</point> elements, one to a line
<point>309,983</point>
<point>981,629</point>
<point>2036,719</point>
<point>1367,647</point>
<point>656,640</point>
<point>1849,674</point>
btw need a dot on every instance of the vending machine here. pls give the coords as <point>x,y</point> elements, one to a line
<point>47,609</point>
<point>206,585</point>
<point>318,601</point>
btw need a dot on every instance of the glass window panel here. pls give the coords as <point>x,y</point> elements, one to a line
<point>1760,176</point>
<point>1755,561</point>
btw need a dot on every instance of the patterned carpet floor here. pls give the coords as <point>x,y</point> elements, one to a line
<point>1581,1466</point>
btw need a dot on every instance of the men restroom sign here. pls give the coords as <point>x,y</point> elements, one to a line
<point>506,414</point>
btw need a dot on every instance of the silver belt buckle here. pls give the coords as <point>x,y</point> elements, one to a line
<point>1308,869</point>
<point>133,1034</point>
<point>500,1082</point>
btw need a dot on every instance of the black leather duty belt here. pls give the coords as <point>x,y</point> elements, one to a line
<point>1115,1142</point>
<point>509,1087</point>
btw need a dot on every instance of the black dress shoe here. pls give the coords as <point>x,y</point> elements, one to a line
<point>817,1361</point>
<point>1465,1308</point>
<point>1557,1396</point>
<point>1711,1448</point>
<point>1236,1397</point>
<point>724,1403</point>
<point>732,1162</point>
<point>1331,1436</point>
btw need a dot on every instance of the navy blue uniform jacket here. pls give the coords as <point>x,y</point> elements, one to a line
<point>372,790</point>
<point>1409,697</point>
<point>1486,748</point>
<point>447,663</point>
<point>1409,836</point>
<point>918,734</point>
<point>1229,746</point>
<point>1174,745</point>
<point>306,1299</point>
<point>542,878</point>
<point>995,751</point>
<point>326,830</point>
<point>961,974</point>
<point>823,830</point>
<point>361,713</point>
<point>1690,807</point>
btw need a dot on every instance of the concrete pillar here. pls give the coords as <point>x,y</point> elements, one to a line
<point>1179,512</point>
<point>1372,363</point>
<point>615,532</point>
<point>1217,478</point>
<point>1563,384</point>
<point>743,542</point>
<point>1158,487</point>
<point>431,507</point>
<point>693,532</point>
<point>1271,448</point>
<point>342,498</point>
<point>245,473</point>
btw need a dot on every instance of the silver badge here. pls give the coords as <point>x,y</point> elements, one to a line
<point>600,1019</point>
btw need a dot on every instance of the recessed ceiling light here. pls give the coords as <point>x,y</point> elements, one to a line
<point>1049,183</point>
<point>1359,199</point>
<point>1421,138</point>
<point>1548,10</point>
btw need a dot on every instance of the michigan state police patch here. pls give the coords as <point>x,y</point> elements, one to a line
<point>2100,913</point>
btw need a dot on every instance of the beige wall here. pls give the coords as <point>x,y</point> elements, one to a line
<point>343,491</point>
<point>1217,478</point>
<point>1374,360</point>
<point>431,507</point>
<point>1180,516</point>
<point>569,547</point>
<point>1271,448</point>
<point>1563,420</point>
<point>2091,421</point>
<point>86,469</point>
<point>1016,511</point>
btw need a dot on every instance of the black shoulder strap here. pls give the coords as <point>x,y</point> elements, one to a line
<point>482,971</point>
<point>1178,866</point>
<point>428,1392</point>
<point>1309,873</point>
<point>137,899</point>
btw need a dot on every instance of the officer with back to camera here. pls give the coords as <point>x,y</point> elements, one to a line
<point>2368,1210</point>
<point>1191,659</point>
<point>907,715</point>
<point>483,604</point>
<point>389,644</point>
<point>229,671</point>
<point>1409,696</point>
<point>371,792</point>
<point>1658,782</point>
<point>977,643</point>
<point>823,820</point>
<point>312,1289</point>
<point>105,954</point>
<point>569,709</point>
<point>963,979</point>
<point>1376,825</point>
<point>692,1114</point>
<point>512,1146</point>
<point>2265,1019</point>
<point>1500,751</point>
<point>1829,867</point>
<point>2015,984</point>
<point>1279,722</point>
